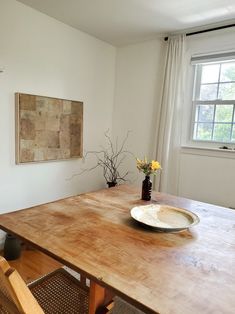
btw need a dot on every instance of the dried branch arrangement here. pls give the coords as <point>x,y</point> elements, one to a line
<point>110,158</point>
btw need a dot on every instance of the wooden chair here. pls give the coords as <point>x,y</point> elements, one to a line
<point>121,306</point>
<point>56,293</point>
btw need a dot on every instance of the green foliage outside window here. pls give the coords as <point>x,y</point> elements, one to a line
<point>215,121</point>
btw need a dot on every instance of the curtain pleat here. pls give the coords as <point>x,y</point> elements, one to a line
<point>169,126</point>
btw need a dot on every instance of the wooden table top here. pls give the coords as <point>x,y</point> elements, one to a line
<point>189,272</point>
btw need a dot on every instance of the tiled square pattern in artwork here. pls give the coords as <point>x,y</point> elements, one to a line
<point>47,128</point>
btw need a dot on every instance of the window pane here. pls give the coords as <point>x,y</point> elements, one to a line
<point>205,113</point>
<point>195,131</point>
<point>208,92</point>
<point>222,132</point>
<point>224,113</point>
<point>227,91</point>
<point>227,72</point>
<point>204,131</point>
<point>210,73</point>
<point>233,134</point>
<point>197,113</point>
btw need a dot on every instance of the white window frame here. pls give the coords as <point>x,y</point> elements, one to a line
<point>197,62</point>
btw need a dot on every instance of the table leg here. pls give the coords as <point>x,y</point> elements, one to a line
<point>96,298</point>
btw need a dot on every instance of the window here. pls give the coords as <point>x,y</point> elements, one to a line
<point>214,100</point>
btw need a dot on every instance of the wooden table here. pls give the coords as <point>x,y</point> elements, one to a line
<point>189,272</point>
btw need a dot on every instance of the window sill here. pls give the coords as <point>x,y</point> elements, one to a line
<point>208,151</point>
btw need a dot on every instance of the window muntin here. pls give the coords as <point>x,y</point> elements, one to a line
<point>214,102</point>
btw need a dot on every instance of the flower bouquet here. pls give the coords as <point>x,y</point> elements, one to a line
<point>148,168</point>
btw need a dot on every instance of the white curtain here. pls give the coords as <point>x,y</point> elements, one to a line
<point>169,119</point>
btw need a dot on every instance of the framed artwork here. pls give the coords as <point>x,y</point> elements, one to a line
<point>48,128</point>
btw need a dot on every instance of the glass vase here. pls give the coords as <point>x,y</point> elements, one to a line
<point>146,189</point>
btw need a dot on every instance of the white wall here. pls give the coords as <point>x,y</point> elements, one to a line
<point>138,90</point>
<point>205,175</point>
<point>45,57</point>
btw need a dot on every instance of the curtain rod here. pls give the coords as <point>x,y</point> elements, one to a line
<point>207,30</point>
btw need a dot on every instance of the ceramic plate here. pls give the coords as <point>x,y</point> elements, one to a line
<point>164,217</point>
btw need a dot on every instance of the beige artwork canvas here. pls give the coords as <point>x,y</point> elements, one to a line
<point>47,128</point>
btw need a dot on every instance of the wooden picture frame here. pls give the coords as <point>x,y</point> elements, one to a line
<point>47,128</point>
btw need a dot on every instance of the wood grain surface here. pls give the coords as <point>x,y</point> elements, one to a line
<point>189,272</point>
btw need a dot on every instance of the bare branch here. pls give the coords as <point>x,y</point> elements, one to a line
<point>109,158</point>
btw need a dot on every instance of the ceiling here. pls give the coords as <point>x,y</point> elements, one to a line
<point>122,22</point>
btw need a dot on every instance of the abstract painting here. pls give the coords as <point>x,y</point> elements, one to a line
<point>47,128</point>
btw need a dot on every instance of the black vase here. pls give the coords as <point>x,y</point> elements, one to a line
<point>12,247</point>
<point>111,184</point>
<point>146,189</point>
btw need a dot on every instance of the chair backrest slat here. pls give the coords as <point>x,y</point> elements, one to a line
<point>15,294</point>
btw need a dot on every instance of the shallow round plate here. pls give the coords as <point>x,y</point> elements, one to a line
<point>164,217</point>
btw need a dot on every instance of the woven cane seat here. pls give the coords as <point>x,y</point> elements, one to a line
<point>60,293</point>
<point>122,307</point>
<point>7,305</point>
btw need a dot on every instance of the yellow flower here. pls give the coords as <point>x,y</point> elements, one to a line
<point>155,165</point>
<point>147,167</point>
<point>139,163</point>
